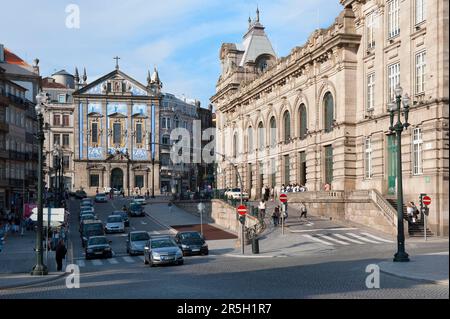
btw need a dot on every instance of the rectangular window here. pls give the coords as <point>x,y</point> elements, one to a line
<point>420,72</point>
<point>66,162</point>
<point>117,133</point>
<point>94,133</point>
<point>56,139</point>
<point>302,168</point>
<point>66,141</point>
<point>368,158</point>
<point>417,152</point>
<point>273,172</point>
<point>393,18</point>
<point>370,22</point>
<point>286,170</point>
<point>61,98</point>
<point>166,140</point>
<point>370,91</point>
<point>56,120</point>
<point>420,11</point>
<point>329,164</point>
<point>138,133</point>
<point>393,80</point>
<point>66,120</point>
<point>94,180</point>
<point>139,181</point>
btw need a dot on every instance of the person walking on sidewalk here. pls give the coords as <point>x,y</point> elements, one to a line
<point>303,211</point>
<point>262,209</point>
<point>276,216</point>
<point>61,251</point>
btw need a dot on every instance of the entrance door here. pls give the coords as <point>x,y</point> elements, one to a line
<point>117,178</point>
<point>392,164</point>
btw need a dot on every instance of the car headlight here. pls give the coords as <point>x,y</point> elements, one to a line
<point>108,248</point>
<point>90,250</point>
<point>179,254</point>
<point>85,238</point>
<point>185,246</point>
<point>156,255</point>
<point>205,245</point>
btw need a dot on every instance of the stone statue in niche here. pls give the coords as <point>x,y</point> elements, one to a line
<point>117,87</point>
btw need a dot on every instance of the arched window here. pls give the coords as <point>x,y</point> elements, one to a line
<point>303,122</point>
<point>287,126</point>
<point>273,132</point>
<point>261,136</point>
<point>328,102</point>
<point>250,146</point>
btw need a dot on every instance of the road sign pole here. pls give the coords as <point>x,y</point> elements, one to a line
<point>425,226</point>
<point>242,239</point>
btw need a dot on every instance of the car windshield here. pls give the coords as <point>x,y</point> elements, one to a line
<point>115,219</point>
<point>87,216</point>
<point>140,237</point>
<point>91,229</point>
<point>236,189</point>
<point>135,206</point>
<point>139,197</point>
<point>123,214</point>
<point>98,241</point>
<point>162,243</point>
<point>187,236</point>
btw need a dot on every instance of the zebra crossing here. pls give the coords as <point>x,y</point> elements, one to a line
<point>110,261</point>
<point>345,239</point>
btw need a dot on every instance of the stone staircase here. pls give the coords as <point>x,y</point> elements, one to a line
<point>414,229</point>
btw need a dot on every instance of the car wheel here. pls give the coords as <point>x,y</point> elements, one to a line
<point>151,263</point>
<point>180,263</point>
<point>145,261</point>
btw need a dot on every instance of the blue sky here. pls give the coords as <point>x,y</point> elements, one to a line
<point>181,37</point>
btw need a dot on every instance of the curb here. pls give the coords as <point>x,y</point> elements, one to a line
<point>172,230</point>
<point>25,285</point>
<point>430,281</point>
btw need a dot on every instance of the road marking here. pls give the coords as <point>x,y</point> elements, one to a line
<point>318,240</point>
<point>97,262</point>
<point>143,223</point>
<point>349,239</point>
<point>81,263</point>
<point>113,261</point>
<point>319,229</point>
<point>128,259</point>
<point>362,238</point>
<point>377,238</point>
<point>328,237</point>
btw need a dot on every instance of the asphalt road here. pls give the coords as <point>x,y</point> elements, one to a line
<point>341,274</point>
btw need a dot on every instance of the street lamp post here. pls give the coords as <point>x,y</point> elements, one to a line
<point>40,269</point>
<point>395,106</point>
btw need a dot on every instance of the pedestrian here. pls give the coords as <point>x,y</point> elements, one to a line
<point>303,211</point>
<point>410,212</point>
<point>276,216</point>
<point>263,192</point>
<point>262,209</point>
<point>61,251</point>
<point>267,194</point>
<point>170,207</point>
<point>272,194</point>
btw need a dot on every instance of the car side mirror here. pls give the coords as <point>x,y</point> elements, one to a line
<point>146,248</point>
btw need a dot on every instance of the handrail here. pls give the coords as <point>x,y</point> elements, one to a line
<point>387,209</point>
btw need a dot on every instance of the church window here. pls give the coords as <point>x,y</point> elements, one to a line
<point>273,132</point>
<point>287,126</point>
<point>94,132</point>
<point>117,133</point>
<point>303,121</point>
<point>94,180</point>
<point>138,133</point>
<point>139,181</point>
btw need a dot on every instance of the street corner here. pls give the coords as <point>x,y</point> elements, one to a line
<point>431,268</point>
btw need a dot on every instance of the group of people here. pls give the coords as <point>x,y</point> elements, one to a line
<point>277,213</point>
<point>412,212</point>
<point>293,188</point>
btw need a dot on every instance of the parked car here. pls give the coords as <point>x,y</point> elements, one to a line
<point>162,250</point>
<point>98,246</point>
<point>101,198</point>
<point>114,224</point>
<point>80,194</point>
<point>85,211</point>
<point>91,228</point>
<point>136,209</point>
<point>124,216</point>
<point>192,243</point>
<point>136,241</point>
<point>87,202</point>
<point>115,191</point>
<point>235,193</point>
<point>86,217</point>
<point>140,199</point>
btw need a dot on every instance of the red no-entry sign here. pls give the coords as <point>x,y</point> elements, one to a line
<point>242,210</point>
<point>283,198</point>
<point>426,200</point>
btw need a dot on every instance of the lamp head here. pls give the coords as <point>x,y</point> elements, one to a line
<point>392,107</point>
<point>398,90</point>
<point>406,100</point>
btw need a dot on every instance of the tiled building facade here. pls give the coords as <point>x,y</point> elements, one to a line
<point>319,116</point>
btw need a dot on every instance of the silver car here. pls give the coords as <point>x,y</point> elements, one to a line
<point>136,242</point>
<point>162,250</point>
<point>114,224</point>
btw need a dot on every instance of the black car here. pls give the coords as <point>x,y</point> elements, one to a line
<point>91,228</point>
<point>124,216</point>
<point>136,209</point>
<point>192,243</point>
<point>98,246</point>
<point>80,194</point>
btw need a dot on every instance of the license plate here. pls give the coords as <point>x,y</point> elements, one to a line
<point>195,250</point>
<point>98,253</point>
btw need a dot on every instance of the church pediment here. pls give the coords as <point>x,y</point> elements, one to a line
<point>114,83</point>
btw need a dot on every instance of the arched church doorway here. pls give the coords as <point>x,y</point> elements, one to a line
<point>117,178</point>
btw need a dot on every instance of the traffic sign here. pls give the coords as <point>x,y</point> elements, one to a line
<point>242,210</point>
<point>426,200</point>
<point>283,198</point>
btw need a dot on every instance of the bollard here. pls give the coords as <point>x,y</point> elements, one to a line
<point>255,245</point>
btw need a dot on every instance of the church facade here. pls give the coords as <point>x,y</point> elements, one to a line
<point>320,115</point>
<point>116,133</point>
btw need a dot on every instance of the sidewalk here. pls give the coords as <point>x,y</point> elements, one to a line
<point>429,267</point>
<point>174,217</point>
